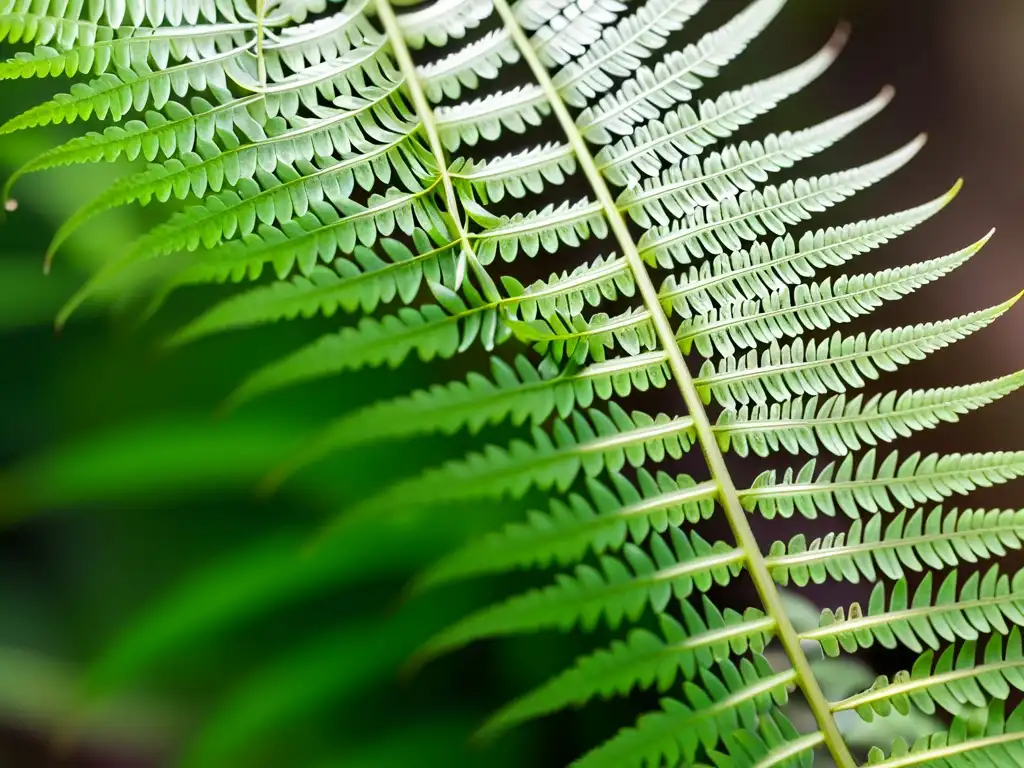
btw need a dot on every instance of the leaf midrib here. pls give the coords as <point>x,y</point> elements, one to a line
<point>917,684</point>
<point>796,559</point>
<point>889,616</point>
<point>728,497</point>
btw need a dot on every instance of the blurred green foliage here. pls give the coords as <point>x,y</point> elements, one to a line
<point>153,610</point>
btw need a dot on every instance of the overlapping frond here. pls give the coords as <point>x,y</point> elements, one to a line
<point>926,618</point>
<point>995,742</point>
<point>953,680</point>
<point>351,156</point>
<point>646,659</point>
<point>894,546</point>
<point>687,131</point>
<point>856,484</point>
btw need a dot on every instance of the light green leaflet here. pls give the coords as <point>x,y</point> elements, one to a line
<point>343,153</point>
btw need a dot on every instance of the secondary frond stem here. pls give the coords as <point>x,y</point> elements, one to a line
<point>426,114</point>
<point>261,63</point>
<point>728,496</point>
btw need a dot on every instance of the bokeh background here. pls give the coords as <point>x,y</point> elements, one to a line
<point>143,583</point>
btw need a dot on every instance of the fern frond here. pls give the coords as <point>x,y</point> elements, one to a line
<point>681,189</point>
<point>439,22</point>
<point>736,697</point>
<point>810,307</point>
<point>212,167</point>
<point>372,277</point>
<point>115,95</point>
<point>743,324</point>
<point>935,540</point>
<point>855,485</point>
<point>833,364</point>
<point>565,28</point>
<point>23,24</point>
<point>839,426</point>
<point>316,42</point>
<point>170,133</point>
<point>674,78</point>
<point>952,681</point>
<point>989,602</point>
<point>516,174</point>
<point>757,272</point>
<point>594,443</point>
<point>114,13</point>
<point>995,743</point>
<point>352,74</point>
<point>621,48</point>
<point>306,139</point>
<point>620,588</point>
<point>313,239</point>
<point>776,742</point>
<point>547,229</point>
<point>606,278</point>
<point>273,199</point>
<point>727,225</point>
<point>105,48</point>
<point>518,393</point>
<point>465,68</point>
<point>317,235</point>
<point>429,331</point>
<point>726,279</point>
<point>486,118</point>
<point>605,519</point>
<point>644,659</point>
<point>686,131</point>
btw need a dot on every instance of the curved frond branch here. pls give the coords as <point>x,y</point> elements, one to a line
<point>521,393</point>
<point>644,660</point>
<point>620,588</point>
<point>865,483</point>
<point>831,365</point>
<point>467,256</point>
<point>728,496</point>
<point>999,742</point>
<point>894,546</point>
<point>694,183</point>
<point>688,131</point>
<point>955,679</point>
<point>674,79</point>
<point>603,519</point>
<point>622,47</point>
<point>680,729</point>
<point>839,426</point>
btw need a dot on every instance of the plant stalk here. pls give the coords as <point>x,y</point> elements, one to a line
<point>728,497</point>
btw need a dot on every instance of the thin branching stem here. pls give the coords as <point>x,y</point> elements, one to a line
<point>467,256</point>
<point>728,497</point>
<point>261,62</point>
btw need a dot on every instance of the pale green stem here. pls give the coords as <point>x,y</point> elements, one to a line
<point>728,497</point>
<point>261,63</point>
<point>426,114</point>
<point>949,751</point>
<point>913,686</point>
<point>791,750</point>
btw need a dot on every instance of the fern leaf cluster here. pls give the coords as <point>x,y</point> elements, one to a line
<point>343,155</point>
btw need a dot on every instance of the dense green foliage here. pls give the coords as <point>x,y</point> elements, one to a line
<point>342,155</point>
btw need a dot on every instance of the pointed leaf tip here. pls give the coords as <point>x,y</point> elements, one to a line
<point>1006,305</point>
<point>955,189</point>
<point>840,36</point>
<point>983,241</point>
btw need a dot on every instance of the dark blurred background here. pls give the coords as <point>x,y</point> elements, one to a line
<point>121,492</point>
